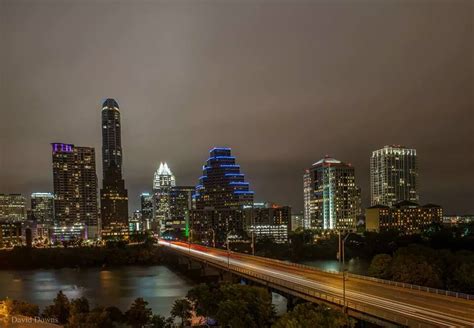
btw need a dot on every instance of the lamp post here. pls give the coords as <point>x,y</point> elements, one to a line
<point>228,248</point>
<point>213,237</point>
<point>252,224</point>
<point>343,255</point>
<point>189,239</point>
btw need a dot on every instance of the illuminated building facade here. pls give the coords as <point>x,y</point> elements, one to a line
<point>42,208</point>
<point>113,195</point>
<point>332,199</point>
<point>12,207</point>
<point>146,209</point>
<point>10,233</point>
<point>297,221</point>
<point>163,181</point>
<point>75,188</point>
<point>181,202</point>
<point>393,175</point>
<point>267,220</point>
<point>407,217</point>
<point>221,194</point>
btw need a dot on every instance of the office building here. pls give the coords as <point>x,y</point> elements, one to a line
<point>146,209</point>
<point>266,220</point>
<point>10,233</point>
<point>406,217</point>
<point>42,208</point>
<point>297,221</point>
<point>75,189</point>
<point>12,207</point>
<point>163,181</point>
<point>393,175</point>
<point>332,199</point>
<point>113,195</point>
<point>221,194</point>
<point>181,202</point>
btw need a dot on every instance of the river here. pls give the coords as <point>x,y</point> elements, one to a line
<point>119,286</point>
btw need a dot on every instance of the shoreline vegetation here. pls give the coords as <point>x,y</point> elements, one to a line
<point>114,254</point>
<point>219,305</point>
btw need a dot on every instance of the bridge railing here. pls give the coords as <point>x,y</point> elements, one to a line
<point>415,287</point>
<point>368,278</point>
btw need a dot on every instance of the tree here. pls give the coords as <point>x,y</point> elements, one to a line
<point>380,266</point>
<point>463,278</point>
<point>204,300</point>
<point>414,269</point>
<point>99,317</point>
<point>182,309</point>
<point>311,315</point>
<point>22,308</point>
<point>158,321</point>
<point>59,309</point>
<point>256,302</point>
<point>139,314</point>
<point>79,310</point>
<point>114,314</point>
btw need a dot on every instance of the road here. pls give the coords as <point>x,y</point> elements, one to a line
<point>430,309</point>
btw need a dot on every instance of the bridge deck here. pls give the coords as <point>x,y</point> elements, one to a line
<point>401,305</point>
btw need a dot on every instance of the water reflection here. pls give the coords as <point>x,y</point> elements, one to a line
<point>118,286</point>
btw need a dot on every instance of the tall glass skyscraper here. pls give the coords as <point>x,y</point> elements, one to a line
<point>331,195</point>
<point>113,195</point>
<point>163,181</point>
<point>220,196</point>
<point>393,175</point>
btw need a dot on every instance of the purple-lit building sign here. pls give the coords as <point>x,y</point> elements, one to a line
<point>63,148</point>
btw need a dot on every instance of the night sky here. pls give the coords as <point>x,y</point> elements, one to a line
<point>282,83</point>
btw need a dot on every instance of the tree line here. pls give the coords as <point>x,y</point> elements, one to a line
<point>221,305</point>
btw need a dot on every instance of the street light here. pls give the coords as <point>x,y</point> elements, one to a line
<point>213,237</point>
<point>189,239</point>
<point>228,248</point>
<point>343,255</point>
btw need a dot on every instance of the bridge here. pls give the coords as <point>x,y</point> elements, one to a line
<point>365,298</point>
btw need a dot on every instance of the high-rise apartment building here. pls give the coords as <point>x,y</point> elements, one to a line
<point>163,181</point>
<point>75,188</point>
<point>113,195</point>
<point>221,194</point>
<point>42,208</point>
<point>393,175</point>
<point>12,207</point>
<point>332,199</point>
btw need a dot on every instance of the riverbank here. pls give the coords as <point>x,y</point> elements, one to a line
<point>60,257</point>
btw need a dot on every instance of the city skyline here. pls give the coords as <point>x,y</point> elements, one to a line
<point>177,102</point>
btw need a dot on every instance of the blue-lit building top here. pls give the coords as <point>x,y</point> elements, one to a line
<point>222,185</point>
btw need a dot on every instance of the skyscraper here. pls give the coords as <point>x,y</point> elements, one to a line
<point>163,181</point>
<point>113,195</point>
<point>331,195</point>
<point>146,209</point>
<point>220,196</point>
<point>393,175</point>
<point>75,187</point>
<point>42,208</point>
<point>12,207</point>
<point>181,202</point>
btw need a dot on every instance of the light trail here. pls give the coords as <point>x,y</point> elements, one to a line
<point>431,316</point>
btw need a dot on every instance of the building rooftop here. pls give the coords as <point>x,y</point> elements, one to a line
<point>110,103</point>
